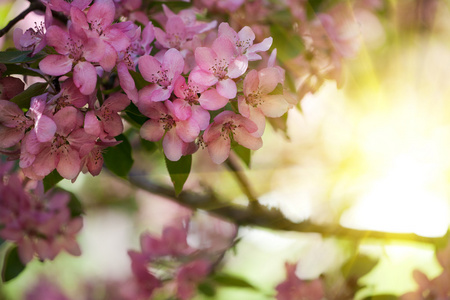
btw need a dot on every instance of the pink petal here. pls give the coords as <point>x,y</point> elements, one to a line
<point>180,109</point>
<point>212,100</point>
<point>274,106</point>
<point>108,62</point>
<point>219,149</point>
<point>263,46</point>
<point>10,136</point>
<point>160,94</point>
<point>58,38</point>
<point>117,102</point>
<point>69,164</point>
<point>92,125</point>
<point>224,48</point>
<point>244,138</point>
<point>227,88</point>
<point>85,77</point>
<point>78,18</point>
<point>251,83</point>
<point>117,39</point>
<point>188,130</point>
<point>205,58</point>
<point>173,62</point>
<point>149,68</point>
<point>56,65</point>
<point>10,113</point>
<point>113,125</point>
<point>45,129</point>
<point>268,79</point>
<point>152,131</point>
<point>203,78</point>
<point>237,67</point>
<point>44,163</point>
<point>66,120</point>
<point>96,49</point>
<point>127,83</point>
<point>172,145</point>
<point>246,34</point>
<point>26,251</point>
<point>201,116</point>
<point>102,11</point>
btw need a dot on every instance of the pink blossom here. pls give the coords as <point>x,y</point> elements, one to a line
<point>13,124</point>
<point>219,65</point>
<point>189,276</point>
<point>92,158</point>
<point>44,289</point>
<point>244,41</point>
<point>105,121</point>
<point>257,103</point>
<point>76,51</point>
<point>65,6</point>
<point>294,288</point>
<point>168,121</point>
<point>162,74</point>
<point>98,25</point>
<point>10,87</point>
<point>39,223</point>
<point>62,152</point>
<point>34,38</point>
<point>226,6</point>
<point>69,95</point>
<point>228,126</point>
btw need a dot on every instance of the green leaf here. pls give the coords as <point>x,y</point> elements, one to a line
<point>118,159</point>
<point>244,154</point>
<point>23,99</point>
<point>51,180</point>
<point>1,241</point>
<point>358,266</point>
<point>179,172</point>
<point>289,44</point>
<point>16,69</point>
<point>135,115</point>
<point>278,90</point>
<point>12,265</point>
<point>229,280</point>
<point>139,81</point>
<point>16,56</point>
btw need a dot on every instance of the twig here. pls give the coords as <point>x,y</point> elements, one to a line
<point>269,218</point>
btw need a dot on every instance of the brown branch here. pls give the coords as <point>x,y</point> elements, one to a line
<point>262,216</point>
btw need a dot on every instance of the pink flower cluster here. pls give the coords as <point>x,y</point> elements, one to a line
<point>294,288</point>
<point>190,69</point>
<point>40,224</point>
<point>179,260</point>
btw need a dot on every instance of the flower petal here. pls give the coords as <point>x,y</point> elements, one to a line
<point>85,77</point>
<point>56,65</point>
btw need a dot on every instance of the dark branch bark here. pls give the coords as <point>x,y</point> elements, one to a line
<point>273,219</point>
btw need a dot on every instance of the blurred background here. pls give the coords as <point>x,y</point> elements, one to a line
<point>373,155</point>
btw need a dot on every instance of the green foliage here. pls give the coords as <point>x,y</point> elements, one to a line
<point>358,266</point>
<point>229,280</point>
<point>118,159</point>
<point>207,289</point>
<point>381,297</point>
<point>76,209</point>
<point>23,99</point>
<point>150,147</point>
<point>244,154</point>
<point>134,116</point>
<point>289,44</point>
<point>17,69</point>
<point>179,171</point>
<point>12,265</point>
<point>139,81</point>
<point>16,56</point>
<point>2,241</point>
<point>51,180</point>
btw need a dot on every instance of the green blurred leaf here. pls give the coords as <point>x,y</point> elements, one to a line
<point>16,56</point>
<point>12,265</point>
<point>150,147</point>
<point>206,288</point>
<point>229,280</point>
<point>51,180</point>
<point>381,297</point>
<point>289,44</point>
<point>179,171</point>
<point>76,209</point>
<point>1,241</point>
<point>358,266</point>
<point>244,154</point>
<point>23,99</point>
<point>118,159</point>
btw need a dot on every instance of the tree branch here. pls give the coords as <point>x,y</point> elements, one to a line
<point>268,218</point>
